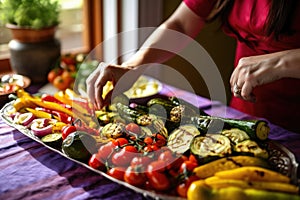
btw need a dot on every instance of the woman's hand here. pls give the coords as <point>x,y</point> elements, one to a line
<point>259,70</point>
<point>98,79</point>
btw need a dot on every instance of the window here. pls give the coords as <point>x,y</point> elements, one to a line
<point>79,30</point>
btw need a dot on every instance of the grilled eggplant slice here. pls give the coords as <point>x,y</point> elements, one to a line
<point>211,145</point>
<point>252,148</point>
<point>180,139</point>
<point>235,135</point>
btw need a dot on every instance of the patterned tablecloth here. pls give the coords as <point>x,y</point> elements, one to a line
<point>28,170</point>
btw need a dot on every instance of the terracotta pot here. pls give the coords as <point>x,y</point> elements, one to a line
<point>33,51</point>
<point>24,34</point>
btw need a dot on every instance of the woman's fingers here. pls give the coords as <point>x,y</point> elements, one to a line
<point>95,83</point>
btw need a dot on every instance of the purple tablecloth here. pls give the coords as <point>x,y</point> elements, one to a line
<point>28,170</point>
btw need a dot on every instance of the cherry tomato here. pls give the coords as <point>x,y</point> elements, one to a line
<point>168,157</point>
<point>158,181</point>
<point>60,83</point>
<point>133,127</point>
<point>66,130</point>
<point>124,156</point>
<point>119,142</point>
<point>148,140</point>
<point>53,74</point>
<point>105,151</point>
<point>159,140</point>
<point>193,158</point>
<point>133,177</point>
<point>67,76</point>
<point>96,163</point>
<point>178,161</point>
<point>184,186</point>
<point>141,161</point>
<point>117,172</point>
<point>157,165</point>
<point>68,59</point>
<point>188,166</point>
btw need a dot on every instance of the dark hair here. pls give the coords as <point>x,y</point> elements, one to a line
<point>278,20</point>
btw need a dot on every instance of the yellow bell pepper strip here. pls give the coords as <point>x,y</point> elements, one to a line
<point>200,190</point>
<point>21,103</point>
<point>39,113</point>
<point>51,106</point>
<point>57,127</point>
<point>62,117</point>
<point>60,95</point>
<point>78,102</point>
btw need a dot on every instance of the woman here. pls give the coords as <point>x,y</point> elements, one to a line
<point>265,81</point>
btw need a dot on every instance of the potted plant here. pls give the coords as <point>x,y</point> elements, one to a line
<point>33,23</point>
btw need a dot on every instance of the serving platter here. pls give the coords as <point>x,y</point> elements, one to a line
<point>279,157</point>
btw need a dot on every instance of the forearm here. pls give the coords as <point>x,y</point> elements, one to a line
<point>289,63</point>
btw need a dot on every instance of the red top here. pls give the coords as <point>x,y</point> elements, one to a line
<point>279,101</point>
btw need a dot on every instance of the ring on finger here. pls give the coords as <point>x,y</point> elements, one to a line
<point>236,89</point>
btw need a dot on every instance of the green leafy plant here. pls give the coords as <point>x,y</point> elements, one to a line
<point>34,14</point>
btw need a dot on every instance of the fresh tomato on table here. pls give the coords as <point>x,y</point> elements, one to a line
<point>135,176</point>
<point>67,130</point>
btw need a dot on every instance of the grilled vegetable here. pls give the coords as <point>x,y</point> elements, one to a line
<point>164,103</point>
<point>53,140</point>
<point>217,183</point>
<point>235,135</point>
<point>256,129</point>
<point>208,124</point>
<point>251,147</point>
<point>233,162</point>
<point>112,130</point>
<point>211,145</point>
<point>79,145</point>
<point>200,190</point>
<point>191,107</point>
<point>253,173</point>
<point>128,114</point>
<point>180,139</point>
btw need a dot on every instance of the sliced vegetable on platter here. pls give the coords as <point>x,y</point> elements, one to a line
<point>166,148</point>
<point>180,139</point>
<point>256,129</point>
<point>211,146</point>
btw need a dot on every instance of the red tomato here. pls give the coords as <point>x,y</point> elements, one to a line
<point>124,156</point>
<point>117,172</point>
<point>133,127</point>
<point>168,157</point>
<point>158,181</point>
<point>183,187</point>
<point>159,140</point>
<point>133,177</point>
<point>193,158</point>
<point>105,151</point>
<point>119,142</point>
<point>178,162</point>
<point>188,166</point>
<point>148,140</point>
<point>96,163</point>
<point>157,165</point>
<point>60,83</point>
<point>67,76</point>
<point>66,130</point>
<point>141,161</point>
<point>53,74</point>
